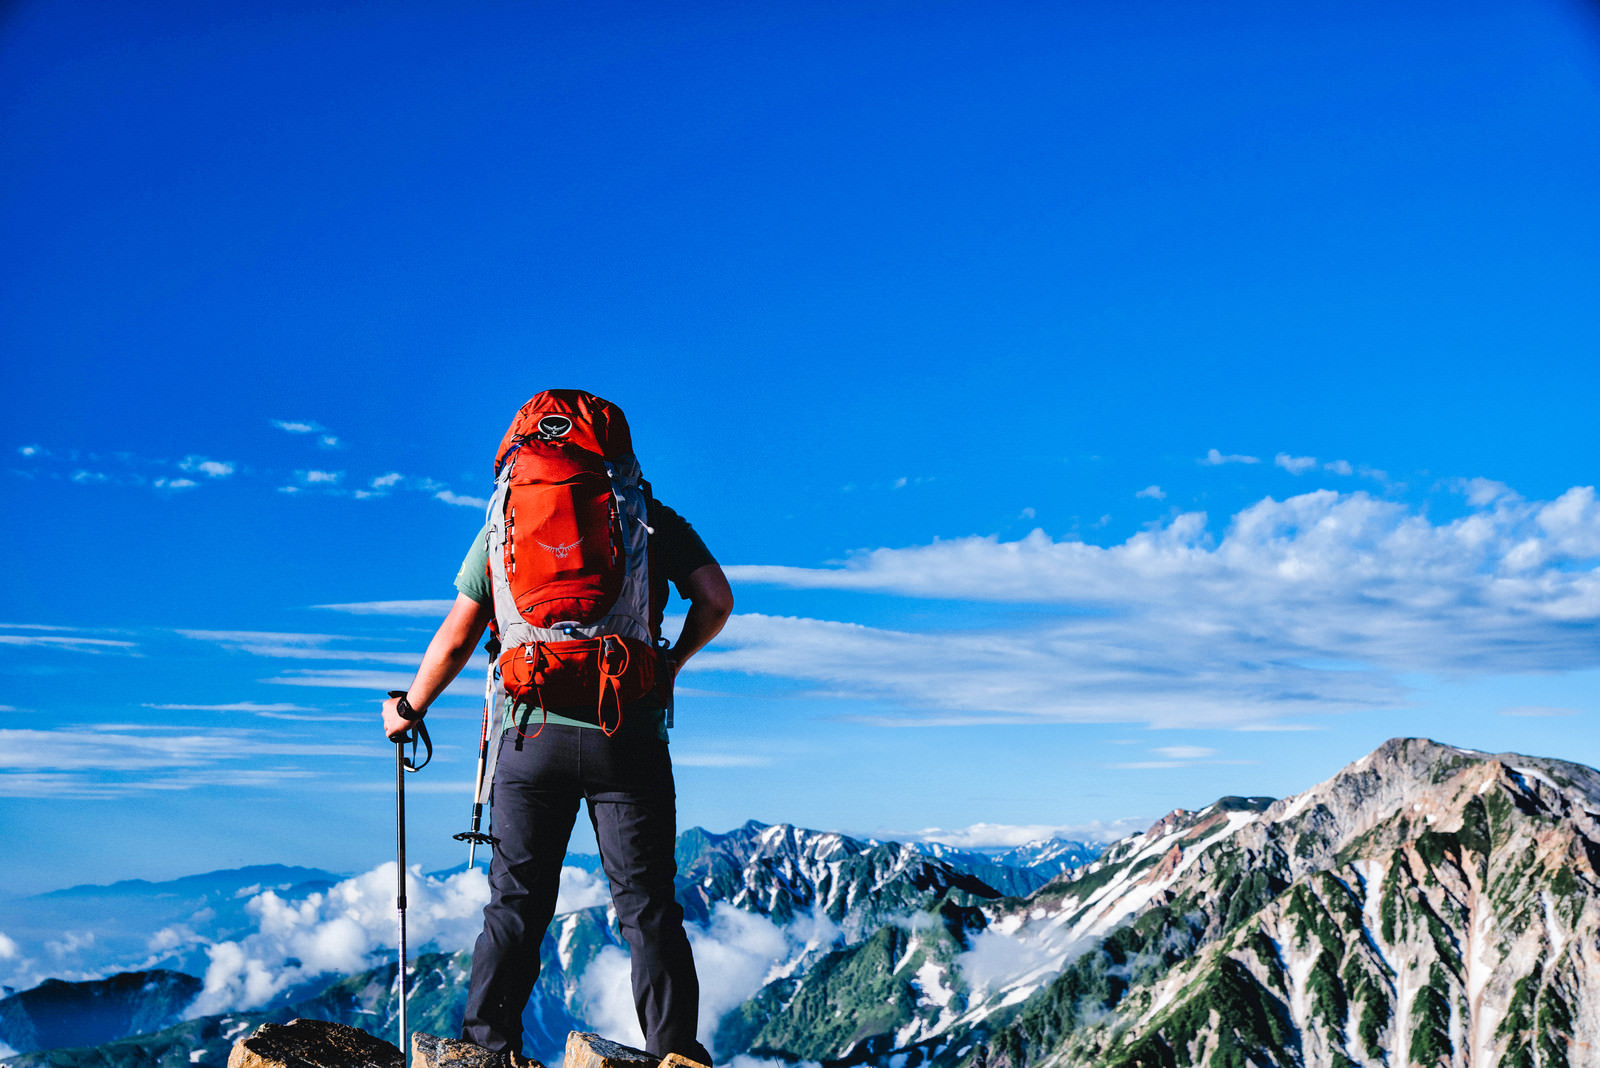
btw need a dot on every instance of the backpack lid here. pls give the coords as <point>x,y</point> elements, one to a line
<point>569,415</point>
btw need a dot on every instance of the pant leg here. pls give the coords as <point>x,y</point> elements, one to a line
<point>536,796</point>
<point>632,804</point>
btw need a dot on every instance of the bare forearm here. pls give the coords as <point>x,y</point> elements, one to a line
<point>710,604</point>
<point>700,625</point>
<point>447,654</point>
<point>443,661</point>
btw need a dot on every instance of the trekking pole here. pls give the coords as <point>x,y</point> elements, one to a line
<point>402,764</point>
<point>474,837</point>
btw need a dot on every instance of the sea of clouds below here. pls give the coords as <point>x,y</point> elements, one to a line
<point>351,927</point>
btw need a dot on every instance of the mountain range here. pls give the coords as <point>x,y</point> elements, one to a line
<point>1427,905</point>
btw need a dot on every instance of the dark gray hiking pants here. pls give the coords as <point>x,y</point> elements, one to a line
<point>632,805</point>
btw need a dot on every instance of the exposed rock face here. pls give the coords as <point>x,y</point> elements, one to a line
<point>585,1050</point>
<point>313,1044</point>
<point>317,1044</point>
<point>431,1051</point>
<point>1426,906</point>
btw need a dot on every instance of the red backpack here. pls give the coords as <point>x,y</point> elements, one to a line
<point>569,560</point>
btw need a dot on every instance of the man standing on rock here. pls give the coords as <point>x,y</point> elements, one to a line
<point>572,568</point>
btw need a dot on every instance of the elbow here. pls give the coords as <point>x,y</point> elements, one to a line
<point>721,603</point>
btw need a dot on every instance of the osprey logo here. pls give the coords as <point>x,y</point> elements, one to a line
<point>560,551</point>
<point>555,426</point>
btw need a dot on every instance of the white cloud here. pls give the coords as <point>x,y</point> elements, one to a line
<point>1295,465</point>
<point>1178,627</point>
<point>296,426</point>
<point>735,955</point>
<point>465,684</point>
<point>455,498</point>
<point>209,468</point>
<point>322,478</point>
<point>387,481</point>
<point>108,761</point>
<point>692,759</point>
<point>263,637</point>
<point>301,646</point>
<point>424,608</point>
<point>8,948</point>
<point>236,706</point>
<point>90,478</point>
<point>1009,835</point>
<point>31,450</point>
<point>1339,467</point>
<point>342,930</point>
<point>1185,752</point>
<point>348,679</point>
<point>175,483</point>
<point>62,641</point>
<point>1540,711</point>
<point>1155,493</point>
<point>328,441</point>
<point>1214,458</point>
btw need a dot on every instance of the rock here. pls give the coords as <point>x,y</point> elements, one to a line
<point>313,1044</point>
<point>678,1060</point>
<point>431,1051</point>
<point>585,1050</point>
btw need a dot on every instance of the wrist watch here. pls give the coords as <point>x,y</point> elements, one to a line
<point>404,706</point>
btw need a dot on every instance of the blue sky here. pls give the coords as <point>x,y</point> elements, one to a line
<point>1099,407</point>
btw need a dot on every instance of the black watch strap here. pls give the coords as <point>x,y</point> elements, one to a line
<point>404,707</point>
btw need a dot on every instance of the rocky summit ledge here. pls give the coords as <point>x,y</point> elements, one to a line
<point>318,1044</point>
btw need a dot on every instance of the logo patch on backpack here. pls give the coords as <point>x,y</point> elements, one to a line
<point>555,426</point>
<point>561,551</point>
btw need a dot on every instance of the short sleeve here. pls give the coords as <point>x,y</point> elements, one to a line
<point>675,547</point>
<point>473,578</point>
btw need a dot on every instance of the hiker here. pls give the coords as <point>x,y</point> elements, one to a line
<point>572,568</point>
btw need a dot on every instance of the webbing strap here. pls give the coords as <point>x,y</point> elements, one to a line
<point>419,731</point>
<point>611,680</point>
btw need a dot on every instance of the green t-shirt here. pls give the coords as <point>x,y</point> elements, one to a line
<point>676,551</point>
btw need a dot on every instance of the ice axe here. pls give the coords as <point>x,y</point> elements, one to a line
<point>403,764</point>
<point>473,836</point>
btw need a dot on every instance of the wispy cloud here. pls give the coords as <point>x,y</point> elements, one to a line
<point>693,759</point>
<point>424,608</point>
<point>208,468</point>
<point>236,706</point>
<point>1540,711</point>
<point>456,498</point>
<point>1154,493</point>
<point>1215,458</point>
<point>297,426</point>
<point>1176,626</point>
<point>468,684</point>
<point>1295,465</point>
<point>67,641</point>
<point>102,761</point>
<point>300,646</point>
<point>1010,835</point>
<point>344,679</point>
